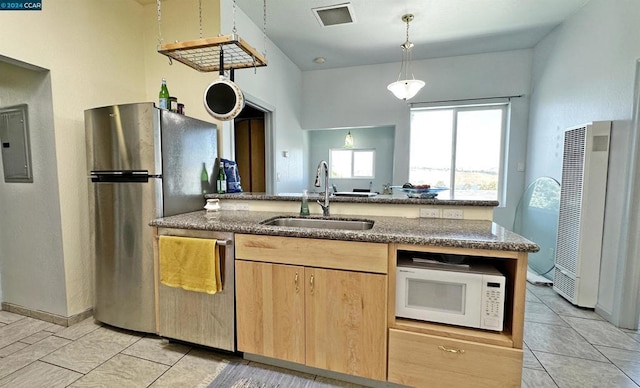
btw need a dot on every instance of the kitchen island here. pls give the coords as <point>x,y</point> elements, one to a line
<point>473,234</point>
<point>325,298</point>
<point>384,205</point>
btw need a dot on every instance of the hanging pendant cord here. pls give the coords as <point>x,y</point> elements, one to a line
<point>409,45</point>
<point>407,34</point>
<point>233,31</point>
<point>200,52</point>
<point>264,28</point>
<point>200,16</point>
<point>406,65</point>
<point>159,29</point>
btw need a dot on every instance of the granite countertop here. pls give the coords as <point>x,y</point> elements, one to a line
<point>474,234</point>
<point>380,198</point>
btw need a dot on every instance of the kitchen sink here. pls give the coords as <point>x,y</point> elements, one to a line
<point>320,223</point>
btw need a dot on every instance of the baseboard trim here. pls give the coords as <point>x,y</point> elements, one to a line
<point>320,372</point>
<point>45,316</point>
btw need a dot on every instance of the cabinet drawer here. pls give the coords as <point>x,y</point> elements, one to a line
<point>344,255</point>
<point>422,360</point>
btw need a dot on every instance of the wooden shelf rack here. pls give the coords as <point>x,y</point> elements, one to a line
<point>204,54</point>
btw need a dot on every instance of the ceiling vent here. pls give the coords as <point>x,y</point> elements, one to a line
<point>334,15</point>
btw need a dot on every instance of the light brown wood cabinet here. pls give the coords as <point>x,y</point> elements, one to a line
<point>422,360</point>
<point>423,354</point>
<point>345,322</point>
<point>301,306</point>
<point>322,303</point>
<point>270,310</point>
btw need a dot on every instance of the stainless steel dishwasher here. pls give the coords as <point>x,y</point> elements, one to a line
<point>196,317</point>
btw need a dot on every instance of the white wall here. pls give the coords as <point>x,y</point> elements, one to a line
<point>584,71</point>
<point>30,231</point>
<point>358,96</point>
<point>279,85</point>
<point>93,51</point>
<point>101,53</point>
<point>276,86</point>
<point>381,139</point>
<point>179,22</point>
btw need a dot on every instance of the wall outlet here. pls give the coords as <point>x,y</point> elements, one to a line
<point>452,213</point>
<point>429,213</point>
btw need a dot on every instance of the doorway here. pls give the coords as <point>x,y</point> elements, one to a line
<point>249,149</point>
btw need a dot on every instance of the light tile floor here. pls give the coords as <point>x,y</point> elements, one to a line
<point>565,347</point>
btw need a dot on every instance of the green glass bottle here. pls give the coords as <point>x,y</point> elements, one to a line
<point>163,96</point>
<point>204,179</point>
<point>222,180</point>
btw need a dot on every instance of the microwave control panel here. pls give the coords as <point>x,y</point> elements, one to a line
<point>493,292</point>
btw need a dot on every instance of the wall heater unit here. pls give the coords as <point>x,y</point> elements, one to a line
<point>581,219</point>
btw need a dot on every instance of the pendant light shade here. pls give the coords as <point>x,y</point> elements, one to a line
<point>348,140</point>
<point>405,89</point>
<point>406,86</point>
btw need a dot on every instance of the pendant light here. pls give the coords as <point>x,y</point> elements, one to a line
<point>348,140</point>
<point>406,88</point>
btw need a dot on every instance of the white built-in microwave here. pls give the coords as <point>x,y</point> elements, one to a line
<point>464,295</point>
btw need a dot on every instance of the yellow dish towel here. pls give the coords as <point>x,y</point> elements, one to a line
<point>190,263</point>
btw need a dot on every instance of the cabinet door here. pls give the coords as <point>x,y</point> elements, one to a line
<point>346,322</point>
<point>270,310</point>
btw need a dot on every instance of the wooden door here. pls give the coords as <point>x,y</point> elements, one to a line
<point>346,322</point>
<point>270,310</point>
<point>250,154</point>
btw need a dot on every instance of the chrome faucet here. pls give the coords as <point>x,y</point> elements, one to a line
<point>325,205</point>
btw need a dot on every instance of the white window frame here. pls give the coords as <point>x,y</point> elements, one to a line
<point>499,103</point>
<point>353,152</point>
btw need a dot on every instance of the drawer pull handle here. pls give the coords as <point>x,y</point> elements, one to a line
<point>296,283</point>
<point>451,350</point>
<point>311,283</point>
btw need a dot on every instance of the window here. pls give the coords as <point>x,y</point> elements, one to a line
<point>352,163</point>
<point>459,147</point>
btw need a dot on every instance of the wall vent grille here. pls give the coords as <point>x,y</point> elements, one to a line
<point>581,216</point>
<point>564,284</point>
<point>571,198</point>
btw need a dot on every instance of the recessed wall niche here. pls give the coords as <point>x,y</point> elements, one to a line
<point>14,144</point>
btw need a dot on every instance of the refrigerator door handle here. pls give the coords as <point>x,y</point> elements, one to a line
<point>120,176</point>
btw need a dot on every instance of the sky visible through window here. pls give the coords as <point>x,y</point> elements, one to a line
<point>352,163</point>
<point>477,147</point>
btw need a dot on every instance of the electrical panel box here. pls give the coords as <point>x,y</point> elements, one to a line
<point>14,144</point>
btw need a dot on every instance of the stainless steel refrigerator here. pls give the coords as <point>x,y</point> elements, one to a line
<point>143,163</point>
